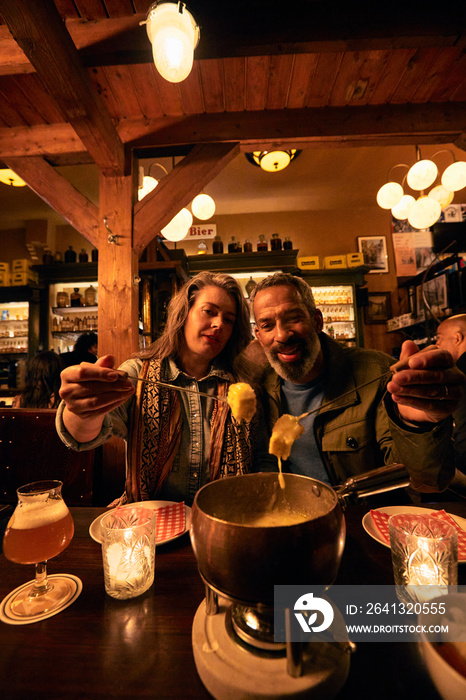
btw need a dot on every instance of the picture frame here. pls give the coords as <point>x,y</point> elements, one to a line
<point>374,250</point>
<point>378,309</point>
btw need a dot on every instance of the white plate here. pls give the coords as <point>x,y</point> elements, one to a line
<point>94,528</point>
<point>368,523</point>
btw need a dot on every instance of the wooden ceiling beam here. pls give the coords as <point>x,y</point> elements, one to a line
<point>178,188</point>
<point>306,128</point>
<point>40,32</point>
<point>58,193</point>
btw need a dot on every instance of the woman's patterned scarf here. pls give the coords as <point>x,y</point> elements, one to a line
<point>155,435</point>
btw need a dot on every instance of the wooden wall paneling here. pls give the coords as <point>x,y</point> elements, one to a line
<point>118,269</point>
<point>39,140</point>
<point>418,66</point>
<point>20,102</point>
<point>66,8</point>
<point>192,99</point>
<point>104,88</point>
<point>146,89</point>
<point>212,80</point>
<point>324,79</point>
<point>304,67</point>
<point>441,66</point>
<point>46,106</point>
<point>257,71</point>
<point>449,87</point>
<point>346,78</point>
<point>370,72</point>
<point>92,9</point>
<point>118,8</point>
<point>234,83</point>
<point>8,113</point>
<point>279,81</point>
<point>169,95</point>
<point>123,88</point>
<point>394,68</point>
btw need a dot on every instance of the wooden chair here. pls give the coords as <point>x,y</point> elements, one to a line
<point>30,450</point>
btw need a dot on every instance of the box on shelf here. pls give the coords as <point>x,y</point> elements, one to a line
<point>20,265</point>
<point>311,262</point>
<point>19,279</point>
<point>355,259</point>
<point>5,267</point>
<point>334,262</point>
<point>4,279</point>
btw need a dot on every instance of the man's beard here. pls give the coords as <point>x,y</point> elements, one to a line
<point>295,371</point>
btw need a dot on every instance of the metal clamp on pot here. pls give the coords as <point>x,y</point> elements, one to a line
<point>375,481</point>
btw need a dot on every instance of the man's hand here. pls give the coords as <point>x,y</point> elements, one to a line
<point>430,388</point>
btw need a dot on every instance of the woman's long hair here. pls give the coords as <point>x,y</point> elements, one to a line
<point>42,381</point>
<point>170,341</point>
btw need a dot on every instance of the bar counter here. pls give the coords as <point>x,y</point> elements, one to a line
<point>141,648</point>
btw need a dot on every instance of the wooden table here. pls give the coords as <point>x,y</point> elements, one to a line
<point>103,648</point>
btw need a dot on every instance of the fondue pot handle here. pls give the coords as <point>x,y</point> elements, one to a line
<point>381,480</point>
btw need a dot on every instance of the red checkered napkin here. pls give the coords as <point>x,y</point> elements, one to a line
<point>380,521</point>
<point>170,521</point>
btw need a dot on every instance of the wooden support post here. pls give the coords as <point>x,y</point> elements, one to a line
<point>118,270</point>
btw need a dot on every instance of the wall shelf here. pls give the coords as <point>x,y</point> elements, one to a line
<point>65,310</point>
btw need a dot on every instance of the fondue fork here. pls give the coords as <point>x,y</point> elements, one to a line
<point>182,388</point>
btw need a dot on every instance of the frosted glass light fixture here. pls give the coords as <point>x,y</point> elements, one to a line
<point>178,227</point>
<point>9,177</point>
<point>454,177</point>
<point>401,210</point>
<point>203,207</point>
<point>424,212</point>
<point>441,195</point>
<point>174,34</point>
<point>422,174</point>
<point>389,195</point>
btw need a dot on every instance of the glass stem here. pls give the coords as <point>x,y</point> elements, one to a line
<point>41,584</point>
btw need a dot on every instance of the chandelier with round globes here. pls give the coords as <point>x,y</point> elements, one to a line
<point>423,212</point>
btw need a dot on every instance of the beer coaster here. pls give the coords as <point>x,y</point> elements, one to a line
<point>8,615</point>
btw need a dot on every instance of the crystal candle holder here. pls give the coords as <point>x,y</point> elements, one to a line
<point>128,551</point>
<point>424,556</point>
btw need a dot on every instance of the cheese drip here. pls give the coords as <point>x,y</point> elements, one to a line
<point>286,430</point>
<point>242,401</point>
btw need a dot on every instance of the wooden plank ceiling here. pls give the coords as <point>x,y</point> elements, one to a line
<point>308,74</point>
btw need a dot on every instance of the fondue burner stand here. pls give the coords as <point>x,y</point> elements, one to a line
<point>236,657</point>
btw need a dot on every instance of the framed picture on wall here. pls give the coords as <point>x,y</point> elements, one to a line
<point>374,250</point>
<point>379,308</point>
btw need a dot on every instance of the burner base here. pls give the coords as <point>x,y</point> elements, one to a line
<point>231,672</point>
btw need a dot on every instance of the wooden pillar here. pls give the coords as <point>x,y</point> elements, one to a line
<point>118,269</point>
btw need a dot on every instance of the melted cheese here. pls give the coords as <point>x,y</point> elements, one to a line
<point>286,430</point>
<point>242,401</point>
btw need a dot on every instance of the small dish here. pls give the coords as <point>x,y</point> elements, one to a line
<point>94,528</point>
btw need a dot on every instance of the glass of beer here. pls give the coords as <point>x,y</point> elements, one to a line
<point>40,528</point>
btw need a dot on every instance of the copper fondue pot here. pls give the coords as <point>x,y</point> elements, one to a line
<point>242,560</point>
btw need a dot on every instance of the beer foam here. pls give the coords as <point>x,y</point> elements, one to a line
<point>37,513</point>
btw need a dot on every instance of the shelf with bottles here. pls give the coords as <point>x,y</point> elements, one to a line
<point>340,330</point>
<point>338,295</point>
<point>67,310</point>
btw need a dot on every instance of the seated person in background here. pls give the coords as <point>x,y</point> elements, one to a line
<point>176,441</point>
<point>42,382</point>
<point>403,418</point>
<point>451,336</point>
<point>84,350</point>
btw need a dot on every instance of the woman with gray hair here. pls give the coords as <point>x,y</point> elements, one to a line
<point>176,441</point>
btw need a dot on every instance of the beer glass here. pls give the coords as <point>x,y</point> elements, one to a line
<point>40,528</point>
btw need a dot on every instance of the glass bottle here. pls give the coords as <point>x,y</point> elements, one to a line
<point>83,256</point>
<point>76,297</point>
<point>70,255</point>
<point>201,248</point>
<point>58,257</point>
<point>94,255</point>
<point>247,246</point>
<point>217,245</point>
<point>250,285</point>
<point>276,242</point>
<point>63,299</point>
<point>262,243</point>
<point>234,246</point>
<point>287,244</point>
<point>90,296</point>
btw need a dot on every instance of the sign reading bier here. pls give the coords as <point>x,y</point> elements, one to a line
<point>202,231</point>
